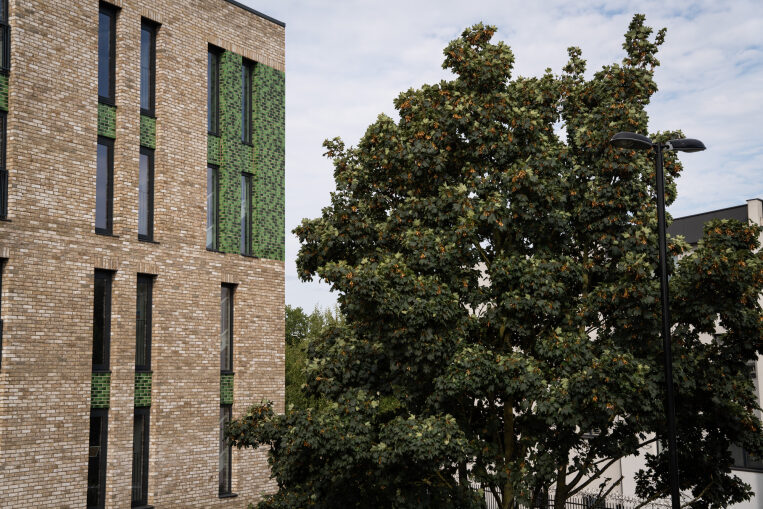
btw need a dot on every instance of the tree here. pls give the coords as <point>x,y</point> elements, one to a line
<point>497,277</point>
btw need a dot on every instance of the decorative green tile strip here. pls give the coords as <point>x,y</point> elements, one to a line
<point>147,132</point>
<point>4,92</point>
<point>143,388</point>
<point>235,156</point>
<point>107,120</point>
<point>100,390</point>
<point>269,133</point>
<point>226,388</point>
<point>213,149</point>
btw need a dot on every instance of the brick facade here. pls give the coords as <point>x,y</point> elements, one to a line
<point>50,253</point>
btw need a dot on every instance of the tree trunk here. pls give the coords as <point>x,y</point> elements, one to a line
<point>508,451</point>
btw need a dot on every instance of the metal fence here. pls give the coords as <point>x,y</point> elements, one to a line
<point>584,501</point>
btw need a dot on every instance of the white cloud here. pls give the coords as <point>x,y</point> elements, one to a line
<point>347,60</point>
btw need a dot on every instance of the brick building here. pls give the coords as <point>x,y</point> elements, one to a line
<point>141,249</point>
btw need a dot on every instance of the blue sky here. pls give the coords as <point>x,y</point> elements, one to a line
<point>347,60</point>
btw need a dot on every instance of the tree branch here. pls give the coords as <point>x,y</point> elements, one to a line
<point>701,493</point>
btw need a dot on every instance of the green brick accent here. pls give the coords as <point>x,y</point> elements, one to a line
<point>4,92</point>
<point>143,389</point>
<point>147,132</point>
<point>100,390</point>
<point>213,149</point>
<point>226,389</point>
<point>107,120</point>
<point>269,160</point>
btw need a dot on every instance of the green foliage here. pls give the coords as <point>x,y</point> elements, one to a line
<point>497,283</point>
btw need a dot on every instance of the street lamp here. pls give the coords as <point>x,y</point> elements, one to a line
<point>640,142</point>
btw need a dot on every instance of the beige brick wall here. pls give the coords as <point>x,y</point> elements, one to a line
<point>52,251</point>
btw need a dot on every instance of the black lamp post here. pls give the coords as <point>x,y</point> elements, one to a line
<point>641,142</point>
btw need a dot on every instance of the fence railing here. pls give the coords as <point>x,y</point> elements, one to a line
<point>582,501</point>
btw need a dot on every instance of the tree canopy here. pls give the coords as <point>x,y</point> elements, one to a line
<point>495,260</point>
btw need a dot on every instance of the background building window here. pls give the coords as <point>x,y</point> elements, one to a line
<point>146,195</point>
<point>107,17</point>
<point>246,214</point>
<point>224,468</point>
<point>143,323</point>
<point>226,328</point>
<point>3,169</point>
<point>2,266</point>
<point>742,459</point>
<point>96,465</point>
<point>5,37</point>
<point>140,457</point>
<point>101,320</point>
<point>104,184</point>
<point>147,67</point>
<point>247,69</point>
<point>212,206</point>
<point>213,90</point>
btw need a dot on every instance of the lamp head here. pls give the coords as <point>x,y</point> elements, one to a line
<point>686,145</point>
<point>630,140</point>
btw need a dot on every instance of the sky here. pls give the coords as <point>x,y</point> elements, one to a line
<point>346,60</point>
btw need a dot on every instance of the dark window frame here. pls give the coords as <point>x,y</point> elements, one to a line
<point>152,28</point>
<point>225,486</point>
<point>146,281</point>
<point>231,292</point>
<point>215,207</point>
<point>109,144</point>
<point>247,75</point>
<point>110,11</point>
<point>102,451</point>
<point>107,276</point>
<point>213,90</point>
<point>246,219</point>
<point>149,235</point>
<point>5,34</point>
<point>145,414</point>
<point>3,169</point>
<point>2,267</point>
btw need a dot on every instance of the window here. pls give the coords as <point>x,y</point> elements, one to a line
<point>96,465</point>
<point>212,204</point>
<point>213,90</point>
<point>226,328</point>
<point>246,214</point>
<point>247,69</point>
<point>140,457</point>
<point>143,324</point>
<point>147,67</point>
<point>104,183</point>
<point>3,170</point>
<point>224,468</point>
<point>101,320</point>
<point>5,38</point>
<point>1,313</point>
<point>107,17</point>
<point>742,459</point>
<point>146,195</point>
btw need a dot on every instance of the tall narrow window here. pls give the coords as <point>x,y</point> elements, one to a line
<point>96,466</point>
<point>107,17</point>
<point>212,205</point>
<point>224,468</point>
<point>143,324</point>
<point>1,312</point>
<point>246,101</point>
<point>147,67</point>
<point>146,195</point>
<point>226,328</point>
<point>213,90</point>
<point>246,214</point>
<point>101,320</point>
<point>140,457</point>
<point>104,180</point>
<point>5,37</point>
<point>3,169</point>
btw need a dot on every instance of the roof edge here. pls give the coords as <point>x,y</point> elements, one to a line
<point>710,212</point>
<point>258,13</point>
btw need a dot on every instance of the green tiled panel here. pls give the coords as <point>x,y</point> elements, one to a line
<point>235,156</point>
<point>4,92</point>
<point>269,132</point>
<point>143,389</point>
<point>147,132</point>
<point>226,389</point>
<point>107,120</point>
<point>100,390</point>
<point>213,149</point>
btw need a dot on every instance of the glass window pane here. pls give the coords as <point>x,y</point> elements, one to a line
<point>96,467</point>
<point>103,188</point>
<point>146,68</point>
<point>139,459</point>
<point>225,328</point>
<point>246,214</point>
<point>211,207</point>
<point>212,91</point>
<point>101,319</point>
<point>105,51</point>
<point>143,324</point>
<point>145,195</point>
<point>224,468</point>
